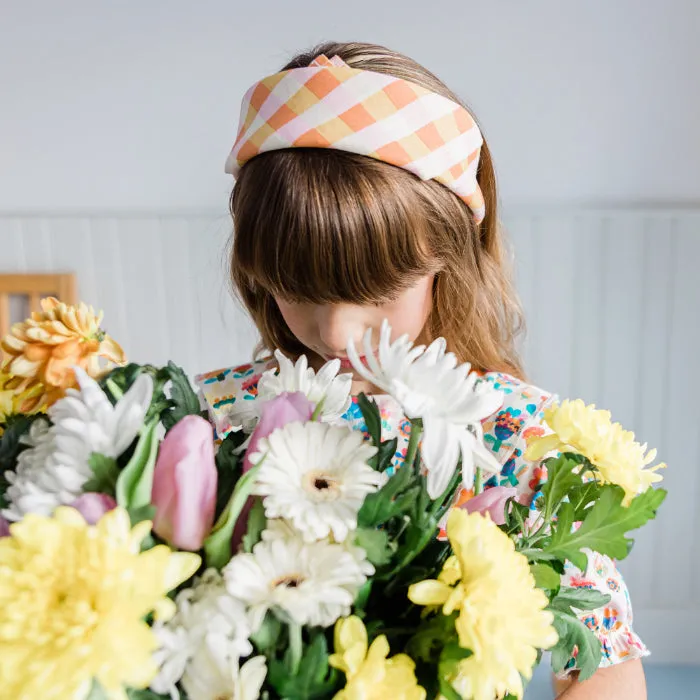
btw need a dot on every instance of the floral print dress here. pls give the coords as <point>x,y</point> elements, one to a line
<point>506,433</point>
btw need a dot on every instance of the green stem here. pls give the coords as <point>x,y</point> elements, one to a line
<point>416,432</point>
<point>295,647</point>
<point>116,392</point>
<point>478,481</point>
<point>316,415</point>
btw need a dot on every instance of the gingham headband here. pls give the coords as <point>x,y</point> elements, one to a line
<point>331,105</point>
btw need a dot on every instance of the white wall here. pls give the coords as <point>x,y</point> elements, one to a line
<point>134,104</point>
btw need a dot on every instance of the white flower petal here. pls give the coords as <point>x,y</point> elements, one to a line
<point>440,452</point>
<point>313,583</point>
<point>429,384</point>
<point>316,476</point>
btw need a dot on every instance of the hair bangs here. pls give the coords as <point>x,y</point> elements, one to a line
<point>337,227</point>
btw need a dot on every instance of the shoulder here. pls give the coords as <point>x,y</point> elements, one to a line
<point>520,417</point>
<point>222,389</point>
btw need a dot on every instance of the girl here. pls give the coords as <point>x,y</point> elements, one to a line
<point>364,190</point>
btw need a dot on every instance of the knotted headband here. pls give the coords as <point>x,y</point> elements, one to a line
<point>331,105</point>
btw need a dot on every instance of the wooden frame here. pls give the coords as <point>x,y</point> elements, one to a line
<point>34,287</point>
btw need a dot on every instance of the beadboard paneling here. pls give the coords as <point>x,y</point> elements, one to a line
<point>611,298</point>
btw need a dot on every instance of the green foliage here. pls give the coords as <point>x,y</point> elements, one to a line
<point>184,401</point>
<point>313,678</point>
<point>574,633</point>
<point>105,473</point>
<point>256,524</point>
<point>605,525</point>
<point>545,576</point>
<point>135,481</point>
<point>181,402</point>
<point>229,467</point>
<point>377,544</point>
<point>217,546</point>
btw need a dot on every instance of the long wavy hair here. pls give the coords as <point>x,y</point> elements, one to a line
<point>328,226</point>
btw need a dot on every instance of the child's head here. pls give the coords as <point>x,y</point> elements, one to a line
<point>327,242</point>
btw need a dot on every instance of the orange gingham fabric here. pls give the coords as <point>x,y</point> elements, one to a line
<point>331,105</point>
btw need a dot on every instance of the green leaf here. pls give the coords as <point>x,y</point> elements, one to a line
<point>385,455</point>
<point>144,694</point>
<point>570,600</point>
<point>427,643</point>
<point>105,473</point>
<point>362,597</point>
<point>256,524</point>
<point>268,636</point>
<point>373,421</point>
<point>560,480</point>
<point>182,396</point>
<point>583,497</point>
<point>452,653</point>
<point>314,678</point>
<point>382,505</point>
<point>545,576</point>
<point>377,544</point>
<point>135,481</point>
<point>217,546</point>
<point>606,523</point>
<point>574,633</point>
<point>229,467</point>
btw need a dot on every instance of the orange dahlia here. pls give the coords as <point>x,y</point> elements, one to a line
<point>40,353</point>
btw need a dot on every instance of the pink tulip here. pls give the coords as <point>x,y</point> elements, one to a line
<point>276,413</point>
<point>184,484</point>
<point>288,407</point>
<point>491,501</point>
<point>4,527</point>
<point>92,506</point>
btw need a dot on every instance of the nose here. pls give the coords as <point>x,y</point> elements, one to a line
<point>336,325</point>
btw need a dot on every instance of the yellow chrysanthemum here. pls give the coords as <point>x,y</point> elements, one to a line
<point>73,598</point>
<point>40,353</point>
<point>618,458</point>
<point>370,674</point>
<point>12,402</point>
<point>502,617</point>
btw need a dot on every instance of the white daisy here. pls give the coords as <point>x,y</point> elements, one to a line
<point>316,476</point>
<point>325,386</point>
<point>54,469</point>
<point>311,583</point>
<point>207,615</point>
<point>279,528</point>
<point>430,385</point>
<point>211,675</point>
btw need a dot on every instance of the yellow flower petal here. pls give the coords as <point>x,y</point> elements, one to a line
<point>72,603</point>
<point>539,447</point>
<point>429,592</point>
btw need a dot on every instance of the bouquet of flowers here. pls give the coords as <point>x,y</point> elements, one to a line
<point>143,558</point>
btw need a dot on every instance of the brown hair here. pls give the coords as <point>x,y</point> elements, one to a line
<point>329,226</point>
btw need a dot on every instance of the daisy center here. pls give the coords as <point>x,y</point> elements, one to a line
<point>290,581</point>
<point>322,486</point>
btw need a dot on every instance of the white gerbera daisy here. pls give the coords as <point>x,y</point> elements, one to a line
<point>316,476</point>
<point>54,469</point>
<point>281,529</point>
<point>430,385</point>
<point>312,583</point>
<point>211,675</point>
<point>326,387</point>
<point>207,615</point>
